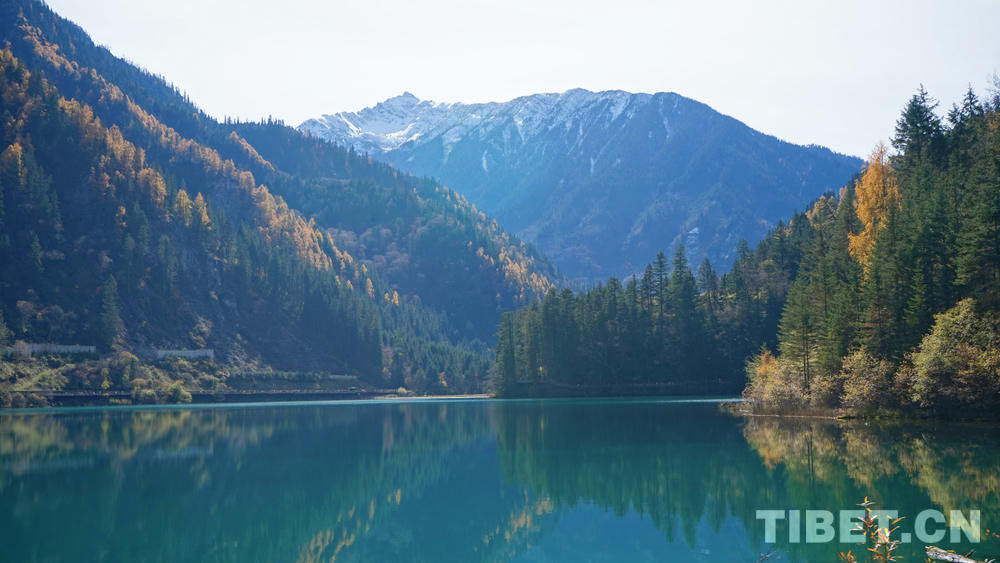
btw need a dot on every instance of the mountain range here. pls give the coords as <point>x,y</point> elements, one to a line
<point>130,219</point>
<point>600,181</point>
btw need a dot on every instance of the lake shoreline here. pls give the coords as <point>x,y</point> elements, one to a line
<point>740,409</point>
<point>82,399</point>
<point>63,401</point>
<point>552,390</point>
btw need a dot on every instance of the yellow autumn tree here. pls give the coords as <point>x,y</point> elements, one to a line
<point>12,167</point>
<point>876,200</point>
<point>152,184</point>
<point>200,213</point>
<point>182,207</point>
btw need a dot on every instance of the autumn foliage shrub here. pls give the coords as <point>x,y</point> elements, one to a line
<point>773,384</point>
<point>958,363</point>
<point>868,382</point>
<point>827,390</point>
<point>955,371</point>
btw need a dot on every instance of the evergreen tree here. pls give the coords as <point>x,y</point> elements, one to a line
<point>167,269</point>
<point>846,317</point>
<point>817,259</point>
<point>661,275</point>
<point>548,318</point>
<point>505,371</point>
<point>919,134</point>
<point>568,337</point>
<point>686,336</point>
<point>799,333</point>
<point>647,291</point>
<point>531,335</point>
<point>633,335</point>
<point>742,277</point>
<point>128,259</point>
<point>5,332</point>
<point>709,307</point>
<point>708,284</point>
<point>35,268</point>
<point>879,295</point>
<point>111,322</point>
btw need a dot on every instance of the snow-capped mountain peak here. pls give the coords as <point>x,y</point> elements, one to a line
<point>401,119</point>
<point>599,180</point>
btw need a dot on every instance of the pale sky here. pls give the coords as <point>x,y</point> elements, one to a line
<point>831,73</point>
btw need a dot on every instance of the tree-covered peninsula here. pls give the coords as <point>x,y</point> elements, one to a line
<point>883,296</point>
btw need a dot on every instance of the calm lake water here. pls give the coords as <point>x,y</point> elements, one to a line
<point>469,481</point>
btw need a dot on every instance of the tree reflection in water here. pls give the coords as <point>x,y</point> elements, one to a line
<point>459,481</point>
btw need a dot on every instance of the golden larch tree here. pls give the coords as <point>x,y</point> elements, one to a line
<point>200,213</point>
<point>182,207</point>
<point>876,198</point>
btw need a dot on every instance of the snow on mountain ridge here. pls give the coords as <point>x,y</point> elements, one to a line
<point>599,180</point>
<point>405,118</point>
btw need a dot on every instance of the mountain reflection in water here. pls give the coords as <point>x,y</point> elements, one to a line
<point>558,480</point>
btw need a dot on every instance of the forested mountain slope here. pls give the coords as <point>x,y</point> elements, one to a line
<point>101,247</point>
<point>131,219</point>
<point>420,236</point>
<point>601,181</point>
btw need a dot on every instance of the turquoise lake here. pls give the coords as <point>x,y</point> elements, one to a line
<point>476,481</point>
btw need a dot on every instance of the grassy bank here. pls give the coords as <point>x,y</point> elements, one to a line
<point>123,379</point>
